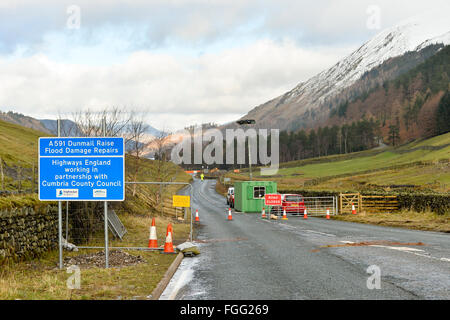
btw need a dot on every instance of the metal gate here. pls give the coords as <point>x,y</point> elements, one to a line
<point>346,200</point>
<point>317,206</point>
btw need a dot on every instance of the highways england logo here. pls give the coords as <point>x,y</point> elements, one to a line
<point>67,193</point>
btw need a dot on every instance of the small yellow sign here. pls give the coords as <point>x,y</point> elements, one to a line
<point>181,201</point>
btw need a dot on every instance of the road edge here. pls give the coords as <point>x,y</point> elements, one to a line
<point>157,292</point>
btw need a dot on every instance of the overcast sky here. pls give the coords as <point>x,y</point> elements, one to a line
<point>182,62</point>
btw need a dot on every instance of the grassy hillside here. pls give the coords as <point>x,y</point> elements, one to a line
<point>19,144</point>
<point>19,155</point>
<point>423,163</point>
<point>19,148</point>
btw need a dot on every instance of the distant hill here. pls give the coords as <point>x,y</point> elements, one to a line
<point>23,120</point>
<point>68,127</point>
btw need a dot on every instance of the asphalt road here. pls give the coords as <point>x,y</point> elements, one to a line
<point>252,258</point>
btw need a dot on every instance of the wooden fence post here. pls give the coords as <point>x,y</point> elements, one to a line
<point>33,179</point>
<point>19,178</point>
<point>2,174</point>
<point>360,202</point>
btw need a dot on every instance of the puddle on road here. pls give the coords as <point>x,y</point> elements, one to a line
<point>221,240</point>
<point>370,243</point>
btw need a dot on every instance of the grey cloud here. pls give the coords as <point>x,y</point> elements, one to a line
<point>200,22</point>
<point>231,81</point>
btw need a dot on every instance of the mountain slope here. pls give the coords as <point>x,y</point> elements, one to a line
<point>409,102</point>
<point>309,103</point>
<point>18,155</point>
<point>25,121</point>
<point>18,145</point>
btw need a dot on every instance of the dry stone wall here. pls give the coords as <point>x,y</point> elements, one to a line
<point>26,233</point>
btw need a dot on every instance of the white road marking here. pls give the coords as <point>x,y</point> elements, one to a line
<point>405,249</point>
<point>347,241</point>
<point>323,233</point>
<point>286,226</point>
<point>413,251</point>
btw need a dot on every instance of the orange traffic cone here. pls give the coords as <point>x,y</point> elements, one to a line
<point>197,219</point>
<point>305,214</point>
<point>284,215</point>
<point>153,241</point>
<point>168,246</point>
<point>353,209</point>
<point>229,215</point>
<point>328,214</point>
<point>263,216</point>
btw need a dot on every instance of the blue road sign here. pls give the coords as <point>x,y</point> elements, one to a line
<point>81,169</point>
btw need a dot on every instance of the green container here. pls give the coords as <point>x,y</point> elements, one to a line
<point>249,195</point>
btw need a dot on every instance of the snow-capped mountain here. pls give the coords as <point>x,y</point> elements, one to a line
<point>413,34</point>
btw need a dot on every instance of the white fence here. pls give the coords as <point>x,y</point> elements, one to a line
<point>317,206</point>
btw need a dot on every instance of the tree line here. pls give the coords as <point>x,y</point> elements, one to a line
<point>323,141</point>
<point>296,145</point>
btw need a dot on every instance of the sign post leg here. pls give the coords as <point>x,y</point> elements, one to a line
<point>58,124</point>
<point>106,236</point>
<point>67,221</point>
<point>60,234</point>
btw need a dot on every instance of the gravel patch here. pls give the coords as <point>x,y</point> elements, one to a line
<point>117,258</point>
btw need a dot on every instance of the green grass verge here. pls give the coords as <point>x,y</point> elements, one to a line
<point>427,221</point>
<point>39,279</point>
<point>355,168</point>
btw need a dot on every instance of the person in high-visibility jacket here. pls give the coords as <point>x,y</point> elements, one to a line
<point>202,176</point>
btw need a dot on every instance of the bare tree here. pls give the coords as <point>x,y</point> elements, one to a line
<point>159,146</point>
<point>117,121</point>
<point>161,169</point>
<point>89,123</point>
<point>68,128</point>
<point>136,145</point>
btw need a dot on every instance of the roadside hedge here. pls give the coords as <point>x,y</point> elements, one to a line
<point>439,203</point>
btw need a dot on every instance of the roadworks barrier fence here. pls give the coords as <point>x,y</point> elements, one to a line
<point>315,206</point>
<point>416,201</point>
